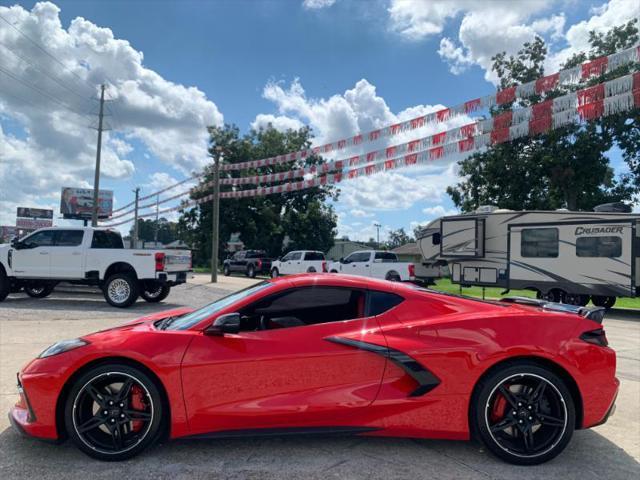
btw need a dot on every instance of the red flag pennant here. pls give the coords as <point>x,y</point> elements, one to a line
<point>591,94</point>
<point>370,169</point>
<point>542,109</point>
<point>342,144</point>
<point>323,180</point>
<point>465,145</point>
<point>591,110</point>
<point>413,145</point>
<point>503,120</point>
<point>328,147</point>
<point>468,130</point>
<point>354,160</point>
<point>636,79</point>
<point>595,67</point>
<point>411,159</point>
<point>418,122</point>
<point>352,174</point>
<point>395,129</point>
<point>371,156</point>
<point>316,150</point>
<point>391,152</point>
<point>339,165</point>
<point>389,164</point>
<point>443,114</point>
<point>357,140</point>
<point>547,83</point>
<point>438,138</point>
<point>499,135</point>
<point>374,135</point>
<point>435,153</point>
<point>304,154</point>
<point>505,96</point>
<point>472,105</point>
<point>337,177</point>
<point>540,125</point>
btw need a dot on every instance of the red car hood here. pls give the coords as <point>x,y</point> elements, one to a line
<point>159,316</point>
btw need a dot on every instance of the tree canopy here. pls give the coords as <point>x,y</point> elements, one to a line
<point>567,167</point>
<point>274,223</point>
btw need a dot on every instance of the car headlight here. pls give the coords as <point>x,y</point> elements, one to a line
<point>63,346</point>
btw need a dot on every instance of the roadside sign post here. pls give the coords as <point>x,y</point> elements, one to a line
<point>215,214</point>
<point>96,181</point>
<point>135,220</point>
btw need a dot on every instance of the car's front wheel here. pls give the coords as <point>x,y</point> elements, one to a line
<point>523,413</point>
<point>274,273</point>
<point>226,270</point>
<point>251,271</point>
<point>113,412</point>
<point>121,290</point>
<point>154,292</point>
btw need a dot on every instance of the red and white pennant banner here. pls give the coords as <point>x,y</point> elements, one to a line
<point>573,75</point>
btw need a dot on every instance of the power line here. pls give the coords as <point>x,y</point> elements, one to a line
<point>41,92</point>
<point>41,48</point>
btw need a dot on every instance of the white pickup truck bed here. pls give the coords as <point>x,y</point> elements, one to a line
<point>375,264</point>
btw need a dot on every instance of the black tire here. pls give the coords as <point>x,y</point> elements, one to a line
<point>105,411</point>
<point>5,285</point>
<point>544,418</point>
<point>121,290</point>
<point>311,270</point>
<point>38,290</point>
<point>226,270</point>
<point>392,277</point>
<point>606,302</point>
<point>576,299</point>
<point>154,292</point>
<point>251,271</point>
<point>333,271</point>
<point>274,273</point>
<point>554,295</point>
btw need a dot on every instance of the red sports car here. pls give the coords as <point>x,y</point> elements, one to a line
<point>332,354</point>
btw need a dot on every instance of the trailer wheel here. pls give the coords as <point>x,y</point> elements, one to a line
<point>606,302</point>
<point>554,295</point>
<point>576,299</point>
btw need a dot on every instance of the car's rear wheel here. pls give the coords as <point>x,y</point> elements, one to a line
<point>393,277</point>
<point>113,412</point>
<point>121,290</point>
<point>523,413</point>
<point>251,271</point>
<point>274,273</point>
<point>38,290</point>
<point>311,270</point>
<point>226,270</point>
<point>154,292</point>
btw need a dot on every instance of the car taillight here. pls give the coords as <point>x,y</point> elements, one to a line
<point>412,270</point>
<point>159,262</point>
<point>259,264</point>
<point>597,337</point>
<point>324,267</point>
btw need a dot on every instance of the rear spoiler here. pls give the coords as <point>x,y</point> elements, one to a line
<point>592,313</point>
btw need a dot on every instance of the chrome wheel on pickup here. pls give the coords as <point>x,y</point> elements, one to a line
<point>121,290</point>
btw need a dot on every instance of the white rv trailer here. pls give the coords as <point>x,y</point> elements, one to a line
<point>569,257</point>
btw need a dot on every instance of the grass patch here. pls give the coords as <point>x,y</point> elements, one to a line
<point>445,285</point>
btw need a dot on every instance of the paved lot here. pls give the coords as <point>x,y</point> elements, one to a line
<point>27,326</point>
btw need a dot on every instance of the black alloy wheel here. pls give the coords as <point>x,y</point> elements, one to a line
<point>113,412</point>
<point>525,414</point>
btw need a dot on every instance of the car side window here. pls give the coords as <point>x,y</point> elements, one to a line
<point>386,257</point>
<point>303,306</point>
<point>314,256</point>
<point>380,302</point>
<point>238,256</point>
<point>296,256</point>
<point>68,238</point>
<point>106,239</point>
<point>359,257</point>
<point>40,239</point>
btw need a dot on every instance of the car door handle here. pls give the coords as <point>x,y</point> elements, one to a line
<point>367,265</point>
<point>76,253</point>
<point>44,253</point>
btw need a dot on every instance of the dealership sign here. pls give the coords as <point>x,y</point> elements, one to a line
<point>33,223</point>
<point>78,203</point>
<point>25,212</point>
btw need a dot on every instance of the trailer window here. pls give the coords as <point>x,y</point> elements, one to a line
<point>608,247</point>
<point>539,242</point>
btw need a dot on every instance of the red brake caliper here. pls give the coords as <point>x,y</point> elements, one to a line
<point>136,401</point>
<point>499,408</point>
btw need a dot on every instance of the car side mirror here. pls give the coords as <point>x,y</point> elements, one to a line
<point>228,323</point>
<point>17,244</point>
<point>342,260</point>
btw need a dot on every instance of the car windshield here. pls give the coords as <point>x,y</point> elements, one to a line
<point>190,319</point>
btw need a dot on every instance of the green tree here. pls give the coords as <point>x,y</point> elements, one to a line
<point>264,222</point>
<point>398,238</point>
<point>167,231</point>
<point>566,167</point>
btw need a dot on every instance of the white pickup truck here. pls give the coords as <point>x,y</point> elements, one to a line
<point>299,261</point>
<point>89,256</point>
<point>375,264</point>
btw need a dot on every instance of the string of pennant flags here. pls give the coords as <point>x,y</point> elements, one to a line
<point>613,96</point>
<point>591,106</point>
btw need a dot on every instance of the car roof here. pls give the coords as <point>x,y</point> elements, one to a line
<point>354,281</point>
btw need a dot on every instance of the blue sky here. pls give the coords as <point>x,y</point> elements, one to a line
<point>243,58</point>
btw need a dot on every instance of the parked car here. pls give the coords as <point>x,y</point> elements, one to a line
<point>90,256</point>
<point>299,261</point>
<point>375,264</point>
<point>329,354</point>
<point>249,262</point>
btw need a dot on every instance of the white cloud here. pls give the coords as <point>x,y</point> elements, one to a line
<point>359,213</point>
<point>51,146</point>
<point>317,4</point>
<point>438,211</point>
<point>489,27</point>
<point>281,123</point>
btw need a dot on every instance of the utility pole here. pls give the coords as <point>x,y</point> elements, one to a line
<point>96,180</point>
<point>377,225</point>
<point>135,220</point>
<point>215,214</point>
<point>155,237</point>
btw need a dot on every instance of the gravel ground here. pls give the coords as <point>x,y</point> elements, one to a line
<point>27,326</point>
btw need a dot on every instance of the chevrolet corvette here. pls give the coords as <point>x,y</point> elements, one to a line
<point>329,354</point>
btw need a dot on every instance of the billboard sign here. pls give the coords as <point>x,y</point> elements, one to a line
<point>25,212</point>
<point>33,223</point>
<point>78,203</point>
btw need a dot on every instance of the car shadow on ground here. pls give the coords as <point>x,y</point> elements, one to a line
<point>589,456</point>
